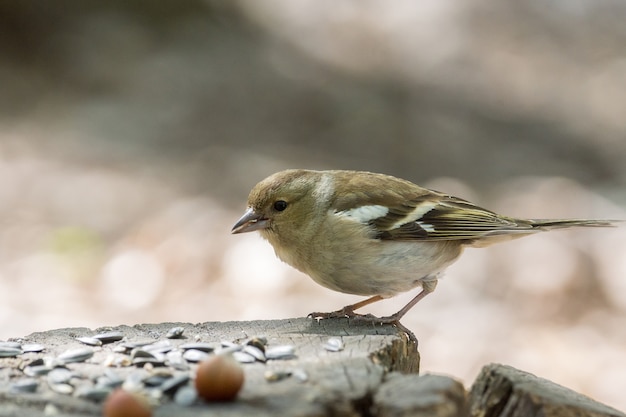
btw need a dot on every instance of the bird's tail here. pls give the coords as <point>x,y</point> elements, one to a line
<point>547,224</point>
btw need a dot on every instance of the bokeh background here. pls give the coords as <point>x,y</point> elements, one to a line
<point>132,131</point>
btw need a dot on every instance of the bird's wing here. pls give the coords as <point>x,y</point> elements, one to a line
<point>442,217</point>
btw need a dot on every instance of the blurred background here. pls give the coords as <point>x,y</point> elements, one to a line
<point>132,131</point>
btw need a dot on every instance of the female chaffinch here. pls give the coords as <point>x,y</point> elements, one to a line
<point>372,234</point>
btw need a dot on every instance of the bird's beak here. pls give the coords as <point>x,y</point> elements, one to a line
<point>249,222</point>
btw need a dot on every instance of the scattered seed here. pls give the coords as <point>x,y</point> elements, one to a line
<point>255,352</point>
<point>33,347</point>
<point>155,380</point>
<point>109,337</point>
<point>333,345</point>
<point>9,352</point>
<point>59,376</point>
<point>65,389</point>
<point>37,370</point>
<point>97,394</point>
<point>143,361</point>
<point>280,352</point>
<point>14,345</point>
<point>203,346</point>
<point>243,357</point>
<point>75,355</point>
<point>274,376</point>
<point>195,355</point>
<point>161,346</point>
<point>175,333</point>
<point>186,396</point>
<point>136,343</point>
<point>25,385</point>
<point>260,342</point>
<point>176,361</point>
<point>300,374</point>
<point>90,341</point>
<point>110,379</point>
<point>141,353</point>
<point>170,385</point>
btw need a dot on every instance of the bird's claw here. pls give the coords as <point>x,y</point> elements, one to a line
<point>344,313</point>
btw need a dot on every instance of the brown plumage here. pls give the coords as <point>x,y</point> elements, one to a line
<point>373,234</point>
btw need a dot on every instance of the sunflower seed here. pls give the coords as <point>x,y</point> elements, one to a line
<point>175,332</point>
<point>155,380</point>
<point>14,345</point>
<point>110,379</point>
<point>195,355</point>
<point>65,389</point>
<point>136,343</point>
<point>280,352</point>
<point>143,361</point>
<point>133,381</point>
<point>274,376</point>
<point>59,376</point>
<point>25,385</point>
<point>33,347</point>
<point>243,357</point>
<point>97,394</point>
<point>170,385</point>
<point>37,370</point>
<point>75,355</point>
<point>141,353</point>
<point>162,346</point>
<point>109,337</point>
<point>333,345</point>
<point>185,396</point>
<point>203,346</point>
<point>300,374</point>
<point>259,342</point>
<point>255,352</point>
<point>9,352</point>
<point>176,361</point>
<point>90,341</point>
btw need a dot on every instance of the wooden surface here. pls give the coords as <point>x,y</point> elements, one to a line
<point>503,391</point>
<point>339,383</point>
<point>375,375</point>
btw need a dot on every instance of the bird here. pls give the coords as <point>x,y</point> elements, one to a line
<point>375,235</point>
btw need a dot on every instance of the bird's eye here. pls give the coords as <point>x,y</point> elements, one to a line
<point>280,205</point>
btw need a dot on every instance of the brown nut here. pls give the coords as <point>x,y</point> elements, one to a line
<point>219,378</point>
<point>122,403</point>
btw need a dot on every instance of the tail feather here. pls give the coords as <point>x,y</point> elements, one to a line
<point>564,223</point>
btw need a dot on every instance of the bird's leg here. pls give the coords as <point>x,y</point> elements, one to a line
<point>347,311</point>
<point>427,288</point>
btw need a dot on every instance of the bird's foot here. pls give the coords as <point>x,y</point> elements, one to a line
<point>344,313</point>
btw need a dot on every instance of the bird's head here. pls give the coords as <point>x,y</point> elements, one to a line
<point>283,200</point>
